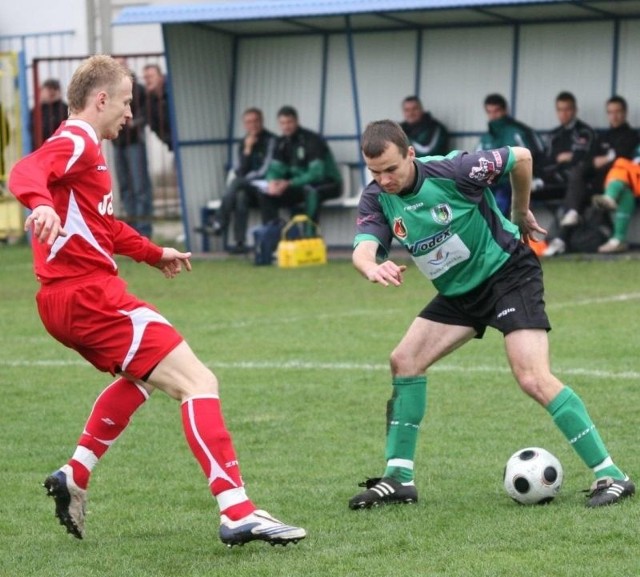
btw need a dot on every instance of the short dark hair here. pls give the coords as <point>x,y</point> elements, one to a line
<point>566,96</point>
<point>378,135</point>
<point>51,84</point>
<point>155,67</point>
<point>496,100</point>
<point>253,110</point>
<point>412,98</point>
<point>617,99</point>
<point>289,111</point>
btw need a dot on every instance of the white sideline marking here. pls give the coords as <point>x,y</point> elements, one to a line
<point>309,366</point>
<point>287,365</point>
<point>595,301</point>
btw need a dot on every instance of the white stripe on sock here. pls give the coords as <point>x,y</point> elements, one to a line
<point>211,396</point>
<point>86,457</point>
<point>231,497</point>
<point>405,463</point>
<point>606,463</point>
<point>215,470</point>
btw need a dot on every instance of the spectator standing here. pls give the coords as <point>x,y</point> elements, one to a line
<point>255,153</point>
<point>428,136</point>
<point>504,130</point>
<point>85,305</point>
<point>441,211</point>
<point>53,110</point>
<point>132,165</point>
<point>303,170</point>
<point>157,103</point>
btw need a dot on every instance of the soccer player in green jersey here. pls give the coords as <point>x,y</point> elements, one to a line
<point>441,210</point>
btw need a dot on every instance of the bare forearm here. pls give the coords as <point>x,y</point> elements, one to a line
<point>521,181</point>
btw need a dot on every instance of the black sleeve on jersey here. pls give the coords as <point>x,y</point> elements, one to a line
<point>371,219</point>
<point>627,144</point>
<point>472,172</point>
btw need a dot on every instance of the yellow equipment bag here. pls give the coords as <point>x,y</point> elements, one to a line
<point>306,248</point>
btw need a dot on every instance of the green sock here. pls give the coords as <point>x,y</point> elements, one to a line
<point>571,417</point>
<point>626,201</point>
<point>405,411</point>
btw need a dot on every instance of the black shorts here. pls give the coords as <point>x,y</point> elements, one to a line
<point>511,299</point>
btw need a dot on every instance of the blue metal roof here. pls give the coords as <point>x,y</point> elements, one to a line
<point>275,9</point>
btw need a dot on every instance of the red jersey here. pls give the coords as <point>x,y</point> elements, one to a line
<point>69,173</point>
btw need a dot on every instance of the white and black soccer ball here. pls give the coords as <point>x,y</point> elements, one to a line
<point>533,476</point>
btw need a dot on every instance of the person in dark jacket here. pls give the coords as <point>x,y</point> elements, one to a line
<point>255,153</point>
<point>428,136</point>
<point>157,103</point>
<point>587,177</point>
<point>504,130</point>
<point>132,165</point>
<point>569,144</point>
<point>303,170</point>
<point>49,114</point>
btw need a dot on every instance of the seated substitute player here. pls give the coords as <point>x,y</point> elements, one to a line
<point>442,212</point>
<point>85,305</point>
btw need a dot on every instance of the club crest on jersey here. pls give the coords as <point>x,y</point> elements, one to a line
<point>442,214</point>
<point>399,228</point>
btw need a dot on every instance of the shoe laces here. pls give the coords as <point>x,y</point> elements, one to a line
<point>372,482</point>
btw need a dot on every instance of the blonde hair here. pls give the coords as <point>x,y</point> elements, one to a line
<point>94,73</point>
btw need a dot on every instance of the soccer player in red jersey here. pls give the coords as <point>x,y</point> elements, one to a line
<point>85,305</point>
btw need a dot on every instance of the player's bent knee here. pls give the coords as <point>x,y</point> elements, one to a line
<point>403,363</point>
<point>538,387</point>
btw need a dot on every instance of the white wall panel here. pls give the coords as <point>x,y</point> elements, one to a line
<point>273,72</point>
<point>459,68</point>
<point>340,104</point>
<point>200,63</point>
<point>568,56</point>
<point>202,178</point>
<point>385,71</point>
<point>628,76</point>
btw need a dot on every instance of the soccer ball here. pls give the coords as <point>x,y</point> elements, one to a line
<point>533,476</point>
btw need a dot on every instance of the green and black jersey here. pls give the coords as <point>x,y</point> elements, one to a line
<point>449,222</point>
<point>303,158</point>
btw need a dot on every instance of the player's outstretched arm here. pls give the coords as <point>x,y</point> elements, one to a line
<point>46,224</point>
<point>172,261</point>
<point>385,273</point>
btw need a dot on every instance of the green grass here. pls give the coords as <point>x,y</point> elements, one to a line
<point>302,360</point>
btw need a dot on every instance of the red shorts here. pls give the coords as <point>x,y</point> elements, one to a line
<point>109,327</point>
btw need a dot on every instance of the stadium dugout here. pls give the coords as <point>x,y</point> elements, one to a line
<point>343,63</point>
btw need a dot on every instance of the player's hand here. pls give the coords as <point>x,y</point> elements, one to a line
<point>528,225</point>
<point>387,273</point>
<point>172,261</point>
<point>277,187</point>
<point>46,224</point>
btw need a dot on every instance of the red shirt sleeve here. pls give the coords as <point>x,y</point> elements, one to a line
<point>128,242</point>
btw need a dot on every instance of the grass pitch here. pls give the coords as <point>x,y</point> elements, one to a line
<point>302,360</point>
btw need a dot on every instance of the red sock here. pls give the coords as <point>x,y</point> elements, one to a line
<point>211,444</point>
<point>110,415</point>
